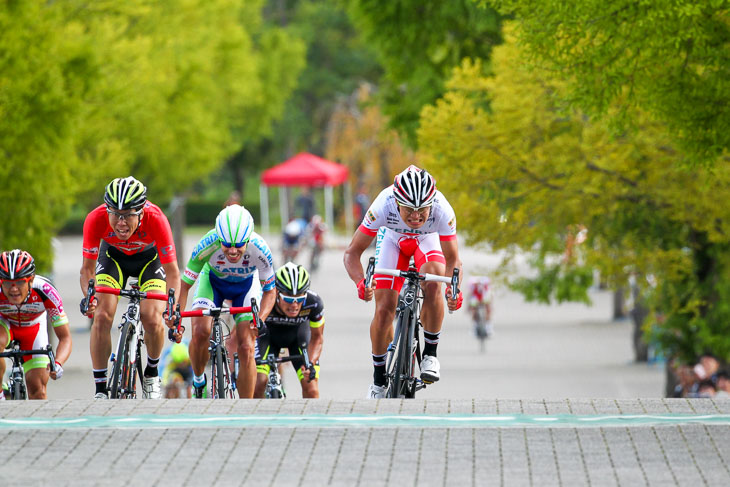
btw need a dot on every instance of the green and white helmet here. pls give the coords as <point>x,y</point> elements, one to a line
<point>292,279</point>
<point>234,226</point>
<point>125,194</point>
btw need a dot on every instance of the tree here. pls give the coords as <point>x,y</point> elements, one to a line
<point>670,58</point>
<point>526,173</point>
<point>418,43</point>
<point>96,90</point>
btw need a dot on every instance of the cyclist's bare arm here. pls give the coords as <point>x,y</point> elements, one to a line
<point>314,349</point>
<point>450,248</point>
<point>63,349</point>
<point>88,271</point>
<point>172,277</point>
<point>267,303</point>
<point>360,242</point>
<point>184,292</point>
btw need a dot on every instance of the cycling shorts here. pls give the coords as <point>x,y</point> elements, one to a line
<point>32,336</point>
<point>114,268</point>
<point>212,291</point>
<point>288,337</point>
<point>394,251</point>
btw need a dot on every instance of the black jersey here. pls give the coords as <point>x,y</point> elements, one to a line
<point>312,311</point>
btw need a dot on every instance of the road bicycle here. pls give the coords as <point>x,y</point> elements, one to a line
<point>126,362</point>
<point>16,380</point>
<point>222,379</point>
<point>274,388</point>
<point>404,352</point>
<point>480,326</point>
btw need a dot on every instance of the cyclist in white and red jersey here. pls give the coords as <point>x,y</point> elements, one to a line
<point>480,304</point>
<point>27,303</point>
<point>127,237</point>
<point>411,219</point>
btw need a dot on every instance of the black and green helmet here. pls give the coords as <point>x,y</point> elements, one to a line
<point>125,194</point>
<point>292,279</point>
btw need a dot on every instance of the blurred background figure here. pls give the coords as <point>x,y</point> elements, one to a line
<point>480,306</point>
<point>316,231</point>
<point>305,205</point>
<point>293,239</point>
<point>233,199</point>
<point>177,375</point>
<point>362,203</point>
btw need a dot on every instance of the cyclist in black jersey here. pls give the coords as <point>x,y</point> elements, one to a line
<point>296,323</point>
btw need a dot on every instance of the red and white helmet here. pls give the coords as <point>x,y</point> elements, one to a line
<point>414,188</point>
<point>16,264</point>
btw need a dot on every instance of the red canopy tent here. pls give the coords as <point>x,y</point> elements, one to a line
<point>305,169</point>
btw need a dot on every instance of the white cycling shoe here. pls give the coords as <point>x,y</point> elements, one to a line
<point>430,369</point>
<point>151,387</point>
<point>376,392</point>
<point>101,395</point>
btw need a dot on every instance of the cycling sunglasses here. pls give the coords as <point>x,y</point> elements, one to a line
<point>237,245</point>
<point>293,299</point>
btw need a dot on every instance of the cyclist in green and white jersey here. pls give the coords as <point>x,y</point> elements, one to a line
<point>230,262</point>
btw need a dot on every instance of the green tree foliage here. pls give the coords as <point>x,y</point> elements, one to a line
<point>418,43</point>
<point>165,91</point>
<point>670,58</point>
<point>526,173</point>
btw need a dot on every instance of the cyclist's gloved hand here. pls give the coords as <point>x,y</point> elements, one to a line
<point>364,293</point>
<point>58,373</point>
<point>459,300</point>
<point>312,372</point>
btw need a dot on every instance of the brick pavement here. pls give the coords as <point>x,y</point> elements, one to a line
<point>673,451</point>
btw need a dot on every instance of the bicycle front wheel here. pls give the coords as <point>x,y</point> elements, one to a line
<point>120,369</point>
<point>401,370</point>
<point>218,386</point>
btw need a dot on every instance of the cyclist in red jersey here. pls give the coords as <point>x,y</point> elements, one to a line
<point>28,303</point>
<point>127,237</point>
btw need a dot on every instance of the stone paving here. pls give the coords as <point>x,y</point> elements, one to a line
<point>676,452</point>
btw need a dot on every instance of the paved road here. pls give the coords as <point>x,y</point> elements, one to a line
<point>387,442</point>
<point>549,352</point>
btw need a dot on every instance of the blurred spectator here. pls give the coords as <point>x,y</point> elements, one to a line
<point>233,199</point>
<point>706,388</point>
<point>723,384</point>
<point>362,203</point>
<point>177,375</point>
<point>293,239</point>
<point>694,380</point>
<point>305,205</point>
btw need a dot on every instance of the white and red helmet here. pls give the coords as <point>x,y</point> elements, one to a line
<point>414,188</point>
<point>16,264</point>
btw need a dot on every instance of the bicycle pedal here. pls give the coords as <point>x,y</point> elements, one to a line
<point>427,382</point>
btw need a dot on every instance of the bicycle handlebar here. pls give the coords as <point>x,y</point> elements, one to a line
<point>41,351</point>
<point>234,310</point>
<point>132,293</point>
<point>422,277</point>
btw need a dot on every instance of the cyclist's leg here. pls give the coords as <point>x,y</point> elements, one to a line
<point>310,389</point>
<point>5,337</point>
<point>263,348</point>
<point>204,298</point>
<point>430,259</point>
<point>35,337</point>
<point>387,255</point>
<point>108,274</point>
<point>246,337</point>
<point>152,279</point>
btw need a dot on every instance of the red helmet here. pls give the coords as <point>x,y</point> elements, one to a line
<point>16,264</point>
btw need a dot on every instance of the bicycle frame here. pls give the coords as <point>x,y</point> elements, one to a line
<point>16,378</point>
<point>222,384</point>
<point>404,352</point>
<point>126,361</point>
<point>274,390</point>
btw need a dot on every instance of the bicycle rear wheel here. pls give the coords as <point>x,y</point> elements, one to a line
<point>120,369</point>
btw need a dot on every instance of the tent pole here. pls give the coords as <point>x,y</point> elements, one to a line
<point>348,208</point>
<point>264,206</point>
<point>283,206</point>
<point>328,207</point>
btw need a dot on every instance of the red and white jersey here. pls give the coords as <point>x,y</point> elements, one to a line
<point>384,213</point>
<point>480,289</point>
<point>154,231</point>
<point>43,298</point>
